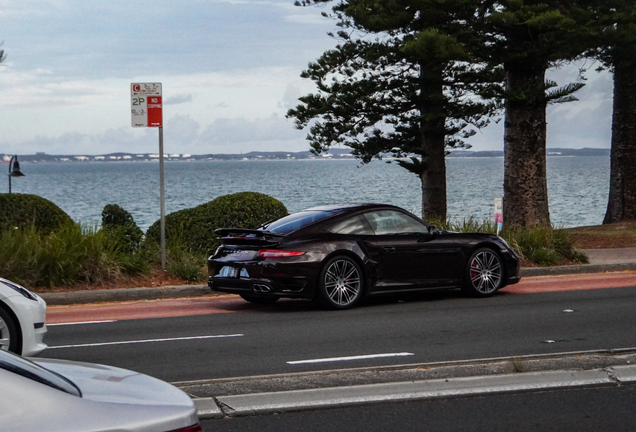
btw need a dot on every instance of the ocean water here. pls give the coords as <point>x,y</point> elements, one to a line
<point>577,186</point>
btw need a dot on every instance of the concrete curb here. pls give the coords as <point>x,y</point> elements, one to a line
<point>298,400</point>
<point>576,269</point>
<point>124,294</point>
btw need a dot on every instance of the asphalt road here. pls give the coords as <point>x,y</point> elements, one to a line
<point>236,339</point>
<point>581,410</point>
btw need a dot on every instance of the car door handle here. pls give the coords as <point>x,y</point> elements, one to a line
<point>388,249</point>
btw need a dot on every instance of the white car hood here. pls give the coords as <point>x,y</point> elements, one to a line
<point>102,383</point>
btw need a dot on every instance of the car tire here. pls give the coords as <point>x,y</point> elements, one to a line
<point>340,284</point>
<point>484,273</point>
<point>259,300</point>
<point>9,333</point>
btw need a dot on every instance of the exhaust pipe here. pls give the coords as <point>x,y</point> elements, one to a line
<point>261,288</point>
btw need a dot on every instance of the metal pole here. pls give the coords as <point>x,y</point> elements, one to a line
<point>162,199</point>
<point>10,163</point>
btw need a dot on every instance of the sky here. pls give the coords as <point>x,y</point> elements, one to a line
<point>230,70</point>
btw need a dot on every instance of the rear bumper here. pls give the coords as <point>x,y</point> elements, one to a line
<point>260,287</point>
<point>266,278</point>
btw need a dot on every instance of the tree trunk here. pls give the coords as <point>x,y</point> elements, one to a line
<point>621,205</point>
<point>525,181</point>
<point>433,123</point>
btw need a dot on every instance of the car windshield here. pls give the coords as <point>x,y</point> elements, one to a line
<point>23,367</point>
<point>296,221</point>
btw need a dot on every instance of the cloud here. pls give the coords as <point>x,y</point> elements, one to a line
<point>178,99</point>
<point>306,19</point>
<point>110,141</point>
<point>227,135</point>
<point>230,71</point>
<point>291,96</point>
<point>181,133</point>
<point>586,122</point>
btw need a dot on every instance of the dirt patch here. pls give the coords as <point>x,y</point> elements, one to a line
<point>618,235</point>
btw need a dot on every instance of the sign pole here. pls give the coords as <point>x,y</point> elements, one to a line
<point>147,111</point>
<point>163,201</point>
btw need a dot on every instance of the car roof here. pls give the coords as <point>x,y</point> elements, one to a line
<point>350,206</point>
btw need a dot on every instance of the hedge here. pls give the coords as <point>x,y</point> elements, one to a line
<point>121,227</point>
<point>194,228</point>
<point>23,211</point>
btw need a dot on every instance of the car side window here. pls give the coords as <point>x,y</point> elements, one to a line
<point>385,222</point>
<point>356,225</point>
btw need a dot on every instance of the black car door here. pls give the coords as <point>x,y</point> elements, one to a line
<point>408,255</point>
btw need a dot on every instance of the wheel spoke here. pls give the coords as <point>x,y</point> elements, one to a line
<point>351,272</point>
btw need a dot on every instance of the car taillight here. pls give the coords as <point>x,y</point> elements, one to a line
<point>275,253</point>
<point>193,428</point>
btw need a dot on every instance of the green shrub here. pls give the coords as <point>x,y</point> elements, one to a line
<point>541,245</point>
<point>466,225</point>
<point>194,228</point>
<point>23,211</point>
<point>67,256</point>
<point>121,227</point>
<point>186,266</point>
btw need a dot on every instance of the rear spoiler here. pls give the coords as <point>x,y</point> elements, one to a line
<point>247,236</point>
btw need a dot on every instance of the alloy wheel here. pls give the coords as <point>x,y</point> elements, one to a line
<point>342,283</point>
<point>485,272</point>
<point>5,335</point>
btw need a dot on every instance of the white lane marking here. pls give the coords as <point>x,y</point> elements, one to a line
<point>360,357</point>
<point>144,341</point>
<point>82,322</point>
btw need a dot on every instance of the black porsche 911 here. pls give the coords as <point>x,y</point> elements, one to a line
<point>337,254</point>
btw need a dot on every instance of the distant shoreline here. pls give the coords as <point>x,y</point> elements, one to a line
<point>334,154</point>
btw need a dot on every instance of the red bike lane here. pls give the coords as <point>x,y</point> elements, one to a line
<point>214,304</point>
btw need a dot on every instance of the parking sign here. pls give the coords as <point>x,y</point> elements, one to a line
<point>146,105</point>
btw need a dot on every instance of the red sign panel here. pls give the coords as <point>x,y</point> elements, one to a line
<point>155,117</point>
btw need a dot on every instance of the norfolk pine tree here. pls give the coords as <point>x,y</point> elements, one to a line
<point>403,82</point>
<point>616,49</point>
<point>527,37</point>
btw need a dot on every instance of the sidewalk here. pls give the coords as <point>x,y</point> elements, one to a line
<point>601,260</point>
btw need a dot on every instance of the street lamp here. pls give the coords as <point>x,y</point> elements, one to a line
<point>14,169</point>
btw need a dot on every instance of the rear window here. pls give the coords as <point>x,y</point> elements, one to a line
<point>355,225</point>
<point>30,370</point>
<point>296,221</point>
